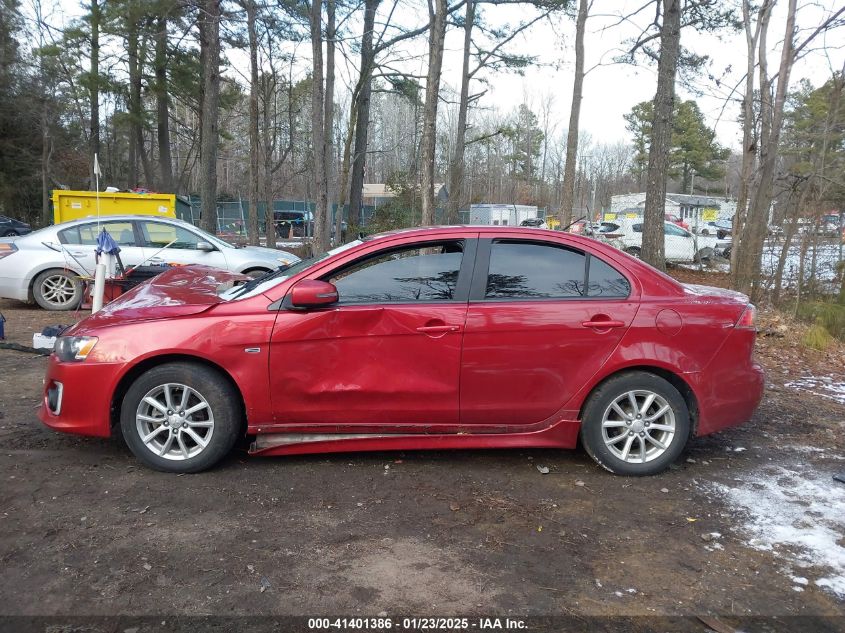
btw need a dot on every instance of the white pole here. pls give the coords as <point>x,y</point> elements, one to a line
<point>99,288</point>
<point>100,270</point>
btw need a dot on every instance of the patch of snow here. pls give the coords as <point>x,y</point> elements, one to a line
<point>799,580</point>
<point>824,386</point>
<point>797,514</point>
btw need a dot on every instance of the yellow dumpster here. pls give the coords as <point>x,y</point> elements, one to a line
<point>73,205</point>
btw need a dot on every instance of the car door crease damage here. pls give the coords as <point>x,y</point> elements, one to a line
<point>435,338</point>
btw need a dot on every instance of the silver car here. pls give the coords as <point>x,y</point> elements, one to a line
<point>46,265</point>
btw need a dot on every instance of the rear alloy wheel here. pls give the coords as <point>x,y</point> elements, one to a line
<point>57,290</point>
<point>180,417</point>
<point>635,424</point>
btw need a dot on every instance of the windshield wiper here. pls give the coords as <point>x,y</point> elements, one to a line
<point>253,283</point>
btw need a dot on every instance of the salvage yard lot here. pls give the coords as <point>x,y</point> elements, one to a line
<point>749,521</point>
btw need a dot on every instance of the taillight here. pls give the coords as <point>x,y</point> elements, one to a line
<point>6,249</point>
<point>748,319</point>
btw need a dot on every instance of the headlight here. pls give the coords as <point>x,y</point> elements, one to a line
<point>74,348</point>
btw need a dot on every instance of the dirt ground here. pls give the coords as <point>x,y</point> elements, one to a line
<point>85,530</point>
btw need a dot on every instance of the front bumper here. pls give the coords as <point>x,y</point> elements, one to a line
<point>82,405</point>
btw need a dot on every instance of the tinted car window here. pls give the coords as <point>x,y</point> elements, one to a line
<point>86,234</point>
<point>606,281</point>
<point>160,234</point>
<point>419,273</point>
<point>608,227</point>
<point>526,271</point>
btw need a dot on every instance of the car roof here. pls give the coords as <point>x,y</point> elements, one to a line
<point>488,231</point>
<point>118,218</point>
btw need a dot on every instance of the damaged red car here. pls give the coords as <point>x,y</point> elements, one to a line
<point>437,338</point>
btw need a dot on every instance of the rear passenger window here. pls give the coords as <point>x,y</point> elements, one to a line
<point>606,281</point>
<point>522,270</point>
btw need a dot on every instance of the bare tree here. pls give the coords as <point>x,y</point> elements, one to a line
<point>574,117</point>
<point>328,114</point>
<point>209,29</point>
<point>749,140</point>
<point>661,135</point>
<point>255,162</point>
<point>437,11</point>
<point>165,159</point>
<point>361,108</point>
<point>318,131</point>
<point>746,276</point>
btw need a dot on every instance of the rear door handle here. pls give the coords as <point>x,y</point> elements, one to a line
<point>603,325</point>
<point>438,329</point>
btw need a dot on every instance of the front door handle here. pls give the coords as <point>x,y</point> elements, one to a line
<point>604,324</point>
<point>438,329</point>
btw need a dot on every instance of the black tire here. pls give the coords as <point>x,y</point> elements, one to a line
<point>633,251</point>
<point>601,400</point>
<point>57,289</point>
<point>10,233</point>
<point>252,273</point>
<point>223,403</point>
<point>705,232</point>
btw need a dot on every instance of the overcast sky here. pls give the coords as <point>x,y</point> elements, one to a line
<point>610,90</point>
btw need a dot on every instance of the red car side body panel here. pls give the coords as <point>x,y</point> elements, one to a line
<point>688,332</point>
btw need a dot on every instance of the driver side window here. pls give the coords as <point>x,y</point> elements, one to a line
<point>405,275</point>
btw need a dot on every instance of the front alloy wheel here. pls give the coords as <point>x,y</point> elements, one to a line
<point>181,417</point>
<point>174,421</point>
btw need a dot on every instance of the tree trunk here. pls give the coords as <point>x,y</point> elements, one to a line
<point>255,162</point>
<point>94,85</point>
<point>771,114</point>
<point>437,35</point>
<point>328,116</point>
<point>574,118</point>
<point>749,146</point>
<point>269,212</point>
<point>320,240</point>
<point>343,184</point>
<point>653,250</point>
<point>209,23</point>
<point>456,169</point>
<point>134,98</point>
<point>46,153</point>
<point>362,106</point>
<point>165,160</point>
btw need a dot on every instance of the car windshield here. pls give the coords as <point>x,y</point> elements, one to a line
<point>274,277</point>
<point>208,236</point>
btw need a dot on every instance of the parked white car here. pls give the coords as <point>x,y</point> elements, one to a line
<point>680,245</point>
<point>46,265</point>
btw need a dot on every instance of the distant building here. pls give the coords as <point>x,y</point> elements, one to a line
<point>377,194</point>
<point>694,210</point>
<point>501,214</point>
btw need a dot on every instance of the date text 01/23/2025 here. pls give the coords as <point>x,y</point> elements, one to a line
<point>416,624</point>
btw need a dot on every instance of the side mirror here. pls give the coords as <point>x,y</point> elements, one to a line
<point>205,247</point>
<point>311,293</point>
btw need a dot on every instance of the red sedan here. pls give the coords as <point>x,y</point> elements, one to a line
<point>450,337</point>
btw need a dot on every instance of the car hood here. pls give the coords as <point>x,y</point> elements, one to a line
<point>177,292</point>
<point>269,254</point>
